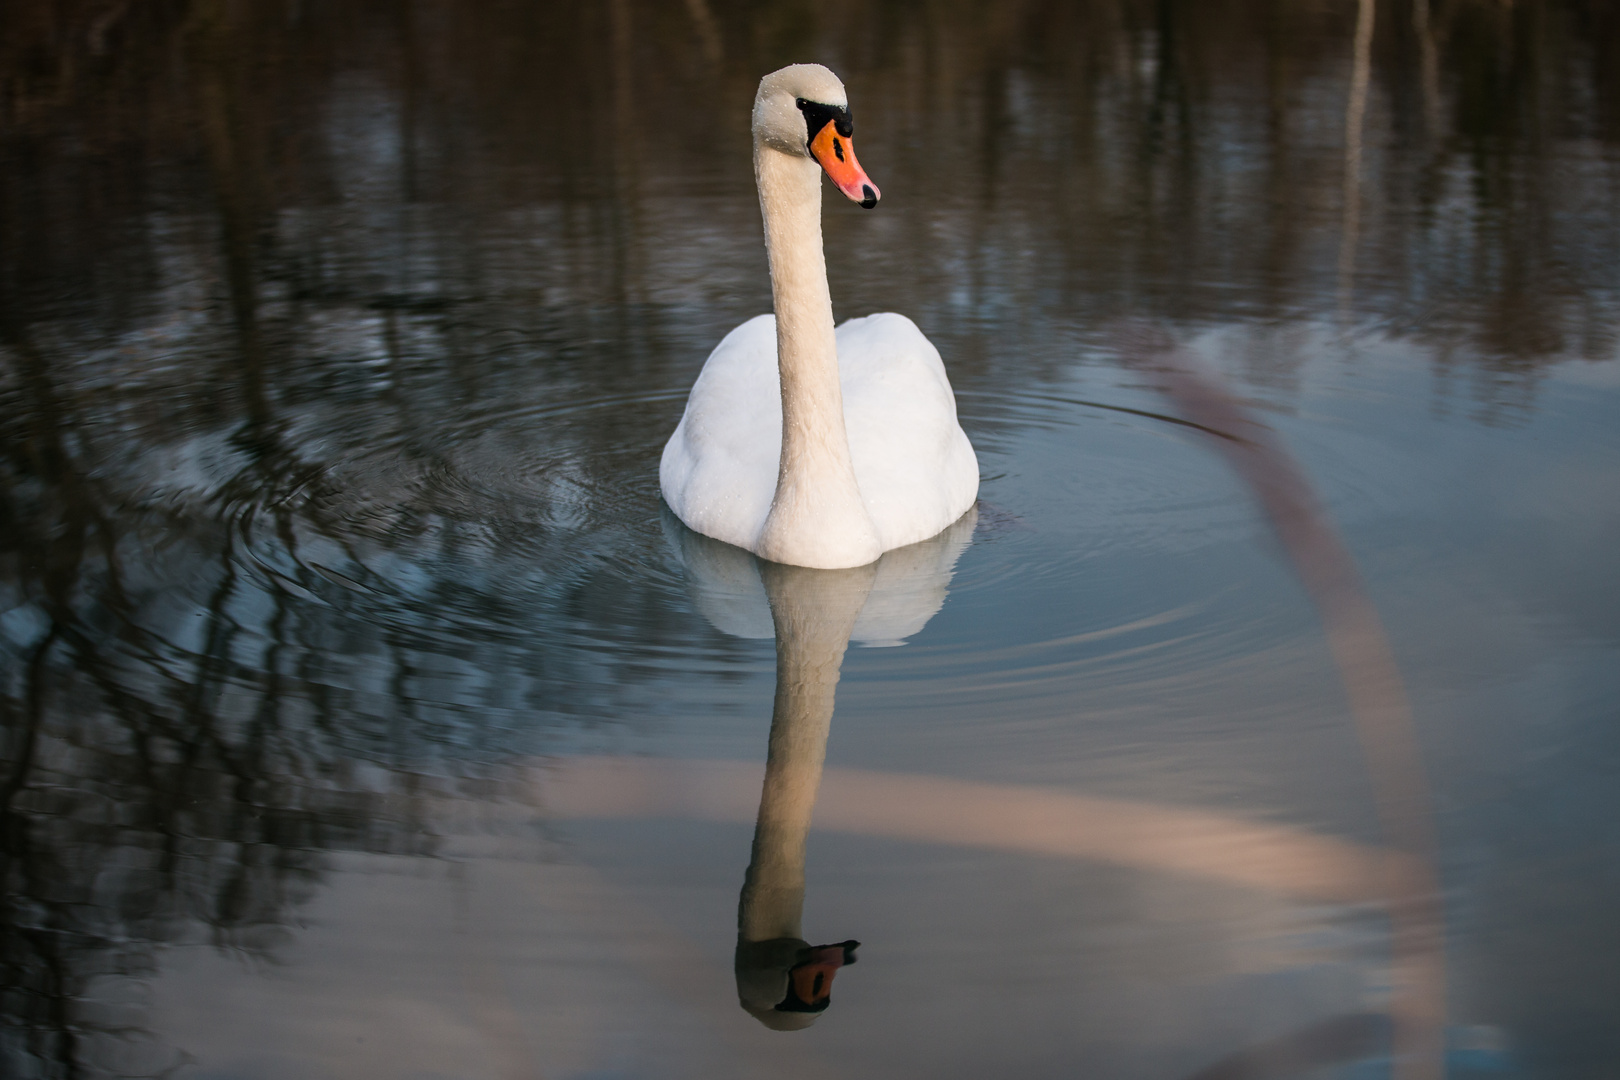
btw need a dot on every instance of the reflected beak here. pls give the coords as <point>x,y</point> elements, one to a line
<point>836,153</point>
<point>810,981</point>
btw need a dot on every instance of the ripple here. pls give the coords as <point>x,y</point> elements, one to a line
<point>523,537</point>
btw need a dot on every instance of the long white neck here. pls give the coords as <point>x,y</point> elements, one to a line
<point>817,517</point>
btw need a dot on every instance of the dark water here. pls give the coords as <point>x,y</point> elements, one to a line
<point>366,716</point>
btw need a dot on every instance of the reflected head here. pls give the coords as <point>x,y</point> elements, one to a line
<point>786,983</point>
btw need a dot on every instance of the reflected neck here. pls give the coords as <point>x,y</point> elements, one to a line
<point>817,517</point>
<point>814,612</point>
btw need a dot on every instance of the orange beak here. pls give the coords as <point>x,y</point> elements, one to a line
<point>837,155</point>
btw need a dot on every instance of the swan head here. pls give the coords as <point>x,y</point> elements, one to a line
<point>803,110</point>
<point>786,983</point>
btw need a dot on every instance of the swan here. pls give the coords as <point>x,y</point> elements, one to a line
<point>804,444</point>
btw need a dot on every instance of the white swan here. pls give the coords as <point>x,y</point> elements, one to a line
<point>803,444</point>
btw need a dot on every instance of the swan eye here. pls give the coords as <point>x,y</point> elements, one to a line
<point>817,116</point>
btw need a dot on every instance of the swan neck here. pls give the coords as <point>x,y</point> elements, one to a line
<point>817,517</point>
<point>790,202</point>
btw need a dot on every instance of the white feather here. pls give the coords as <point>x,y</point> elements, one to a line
<point>915,467</point>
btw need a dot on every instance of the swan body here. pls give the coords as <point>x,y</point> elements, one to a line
<point>914,468</point>
<point>801,443</point>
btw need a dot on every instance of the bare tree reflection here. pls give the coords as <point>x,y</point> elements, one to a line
<point>1429,66</point>
<point>134,807</point>
<point>1124,139</point>
<point>708,30</point>
<point>1355,116</point>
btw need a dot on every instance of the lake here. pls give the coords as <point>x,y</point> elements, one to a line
<point>366,713</point>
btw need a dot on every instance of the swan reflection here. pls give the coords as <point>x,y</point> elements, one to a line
<point>782,980</point>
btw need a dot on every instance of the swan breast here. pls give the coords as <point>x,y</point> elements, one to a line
<point>915,468</point>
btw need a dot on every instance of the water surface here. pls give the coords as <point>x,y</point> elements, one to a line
<point>366,714</point>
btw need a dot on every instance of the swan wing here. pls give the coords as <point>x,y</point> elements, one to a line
<point>718,472</point>
<point>916,469</point>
